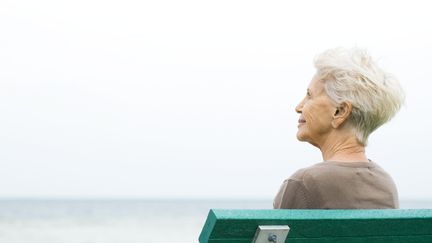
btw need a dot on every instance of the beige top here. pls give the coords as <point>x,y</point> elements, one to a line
<point>338,185</point>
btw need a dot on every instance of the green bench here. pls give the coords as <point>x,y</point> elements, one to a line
<point>272,226</point>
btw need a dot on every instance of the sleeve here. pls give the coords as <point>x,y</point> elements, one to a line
<point>291,195</point>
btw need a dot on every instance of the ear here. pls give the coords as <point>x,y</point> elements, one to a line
<point>341,114</point>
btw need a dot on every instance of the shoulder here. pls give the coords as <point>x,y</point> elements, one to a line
<point>295,191</point>
<point>310,172</point>
<point>330,172</point>
<point>324,168</point>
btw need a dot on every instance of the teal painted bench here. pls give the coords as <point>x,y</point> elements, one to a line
<point>386,225</point>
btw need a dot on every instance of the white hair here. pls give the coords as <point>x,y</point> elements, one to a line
<point>350,75</point>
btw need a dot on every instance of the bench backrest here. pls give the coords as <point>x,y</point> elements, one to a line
<point>384,225</point>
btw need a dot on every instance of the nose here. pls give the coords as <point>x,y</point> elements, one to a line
<point>299,107</point>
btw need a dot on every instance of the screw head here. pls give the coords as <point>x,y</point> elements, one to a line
<point>272,238</point>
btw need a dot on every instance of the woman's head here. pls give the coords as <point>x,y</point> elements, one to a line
<point>350,76</point>
<point>317,115</point>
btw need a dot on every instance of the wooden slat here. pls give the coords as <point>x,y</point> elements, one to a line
<point>322,225</point>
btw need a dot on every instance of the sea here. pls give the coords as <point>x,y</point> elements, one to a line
<point>117,220</point>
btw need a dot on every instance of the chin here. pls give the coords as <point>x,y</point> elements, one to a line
<point>301,137</point>
<point>304,138</point>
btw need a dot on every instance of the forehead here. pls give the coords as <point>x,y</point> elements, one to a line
<point>316,85</point>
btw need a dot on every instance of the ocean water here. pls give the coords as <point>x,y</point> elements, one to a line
<point>108,221</point>
<point>116,221</point>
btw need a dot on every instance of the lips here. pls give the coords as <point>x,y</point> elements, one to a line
<point>301,120</point>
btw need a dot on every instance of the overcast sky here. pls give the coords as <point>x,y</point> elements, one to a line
<point>192,99</point>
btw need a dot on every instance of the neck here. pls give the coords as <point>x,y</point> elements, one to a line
<point>345,149</point>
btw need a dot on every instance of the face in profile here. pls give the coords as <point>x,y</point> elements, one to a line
<point>316,114</point>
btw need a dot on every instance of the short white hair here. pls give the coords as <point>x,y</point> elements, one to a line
<point>350,75</point>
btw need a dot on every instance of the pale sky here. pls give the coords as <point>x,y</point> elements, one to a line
<point>192,99</point>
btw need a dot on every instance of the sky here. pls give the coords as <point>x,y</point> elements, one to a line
<point>192,99</point>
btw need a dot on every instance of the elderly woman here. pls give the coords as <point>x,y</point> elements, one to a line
<point>348,98</point>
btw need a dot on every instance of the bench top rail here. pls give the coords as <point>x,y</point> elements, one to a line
<point>365,225</point>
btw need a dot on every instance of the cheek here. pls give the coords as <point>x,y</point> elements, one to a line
<point>310,113</point>
<point>318,117</point>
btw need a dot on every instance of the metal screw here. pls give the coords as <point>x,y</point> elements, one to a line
<point>272,238</point>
